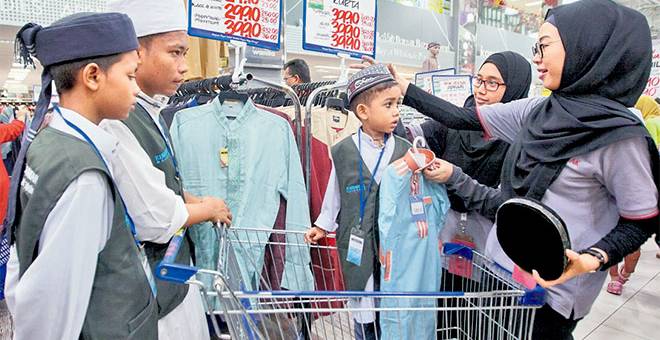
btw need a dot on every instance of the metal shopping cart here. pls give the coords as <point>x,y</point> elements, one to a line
<point>484,304</point>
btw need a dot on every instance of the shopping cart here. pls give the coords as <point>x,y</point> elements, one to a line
<point>486,304</point>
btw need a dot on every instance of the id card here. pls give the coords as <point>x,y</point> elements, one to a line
<point>417,208</point>
<point>147,270</point>
<point>355,247</point>
<point>459,265</point>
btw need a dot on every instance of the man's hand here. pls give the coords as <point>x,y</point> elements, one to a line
<point>314,234</point>
<point>578,264</point>
<point>439,171</point>
<point>219,213</point>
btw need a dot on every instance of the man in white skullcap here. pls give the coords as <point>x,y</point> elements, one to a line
<point>150,181</point>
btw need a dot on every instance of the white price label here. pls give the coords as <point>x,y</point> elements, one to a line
<point>340,26</point>
<point>256,22</point>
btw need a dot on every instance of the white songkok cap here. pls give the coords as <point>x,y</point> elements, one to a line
<point>153,16</point>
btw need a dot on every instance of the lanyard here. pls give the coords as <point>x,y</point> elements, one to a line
<point>128,218</point>
<point>166,140</point>
<point>363,201</point>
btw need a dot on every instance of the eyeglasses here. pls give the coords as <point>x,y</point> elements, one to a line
<point>538,48</point>
<point>491,85</point>
<point>285,78</point>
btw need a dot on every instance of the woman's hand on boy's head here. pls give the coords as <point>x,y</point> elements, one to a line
<point>369,61</point>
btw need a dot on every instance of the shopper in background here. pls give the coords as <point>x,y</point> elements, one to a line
<point>6,117</point>
<point>159,200</point>
<point>296,72</point>
<point>650,109</point>
<point>8,133</point>
<point>598,164</point>
<point>76,269</point>
<point>431,62</point>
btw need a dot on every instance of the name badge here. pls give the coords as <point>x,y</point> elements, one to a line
<point>417,208</point>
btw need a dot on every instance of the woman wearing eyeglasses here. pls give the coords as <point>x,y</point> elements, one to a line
<point>502,78</point>
<point>581,151</point>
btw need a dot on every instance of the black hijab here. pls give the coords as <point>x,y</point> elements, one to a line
<point>479,158</point>
<point>606,67</point>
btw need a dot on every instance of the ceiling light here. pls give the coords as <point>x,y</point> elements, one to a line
<point>532,4</point>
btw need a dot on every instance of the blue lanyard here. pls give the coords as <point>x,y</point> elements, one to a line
<point>128,218</point>
<point>363,201</point>
<point>167,145</point>
<point>167,142</point>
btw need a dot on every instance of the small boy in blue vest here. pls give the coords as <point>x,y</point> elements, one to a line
<point>77,270</point>
<point>350,205</point>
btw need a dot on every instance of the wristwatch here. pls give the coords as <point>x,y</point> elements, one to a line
<point>598,255</point>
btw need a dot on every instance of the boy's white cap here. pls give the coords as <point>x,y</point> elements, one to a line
<point>153,16</point>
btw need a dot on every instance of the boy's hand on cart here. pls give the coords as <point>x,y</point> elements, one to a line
<point>218,209</point>
<point>439,171</point>
<point>578,264</point>
<point>314,234</point>
<point>369,61</point>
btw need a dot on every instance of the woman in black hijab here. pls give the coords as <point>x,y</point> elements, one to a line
<point>502,78</point>
<point>581,151</point>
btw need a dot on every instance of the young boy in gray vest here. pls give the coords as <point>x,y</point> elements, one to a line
<point>76,269</point>
<point>350,205</point>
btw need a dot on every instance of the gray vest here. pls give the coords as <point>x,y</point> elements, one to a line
<point>345,157</point>
<point>170,295</point>
<point>121,305</point>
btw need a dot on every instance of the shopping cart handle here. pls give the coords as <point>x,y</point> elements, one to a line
<point>457,249</point>
<point>168,270</point>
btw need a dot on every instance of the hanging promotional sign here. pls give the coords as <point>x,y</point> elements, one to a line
<point>340,26</point>
<point>255,22</point>
<point>424,80</point>
<point>454,89</point>
<point>653,84</point>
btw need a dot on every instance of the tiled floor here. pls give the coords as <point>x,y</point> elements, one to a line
<point>635,315</point>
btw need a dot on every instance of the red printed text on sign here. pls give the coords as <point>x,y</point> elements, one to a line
<point>249,18</point>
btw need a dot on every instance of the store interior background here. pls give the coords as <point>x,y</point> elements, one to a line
<point>404,28</point>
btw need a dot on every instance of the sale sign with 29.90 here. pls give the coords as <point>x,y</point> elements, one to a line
<point>256,22</point>
<point>340,26</point>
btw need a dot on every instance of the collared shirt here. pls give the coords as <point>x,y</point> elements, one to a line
<point>327,220</point>
<point>261,165</point>
<point>591,193</point>
<point>50,300</point>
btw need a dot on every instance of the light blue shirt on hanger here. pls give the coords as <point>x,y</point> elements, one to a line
<point>260,163</point>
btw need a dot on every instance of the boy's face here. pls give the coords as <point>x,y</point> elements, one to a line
<point>163,63</point>
<point>381,114</point>
<point>118,90</point>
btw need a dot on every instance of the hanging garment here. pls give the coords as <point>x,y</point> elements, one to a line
<point>411,215</point>
<point>250,159</point>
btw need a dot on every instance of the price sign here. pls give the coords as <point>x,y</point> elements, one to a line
<point>454,89</point>
<point>340,26</point>
<point>256,22</point>
<point>653,84</point>
<point>424,80</point>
